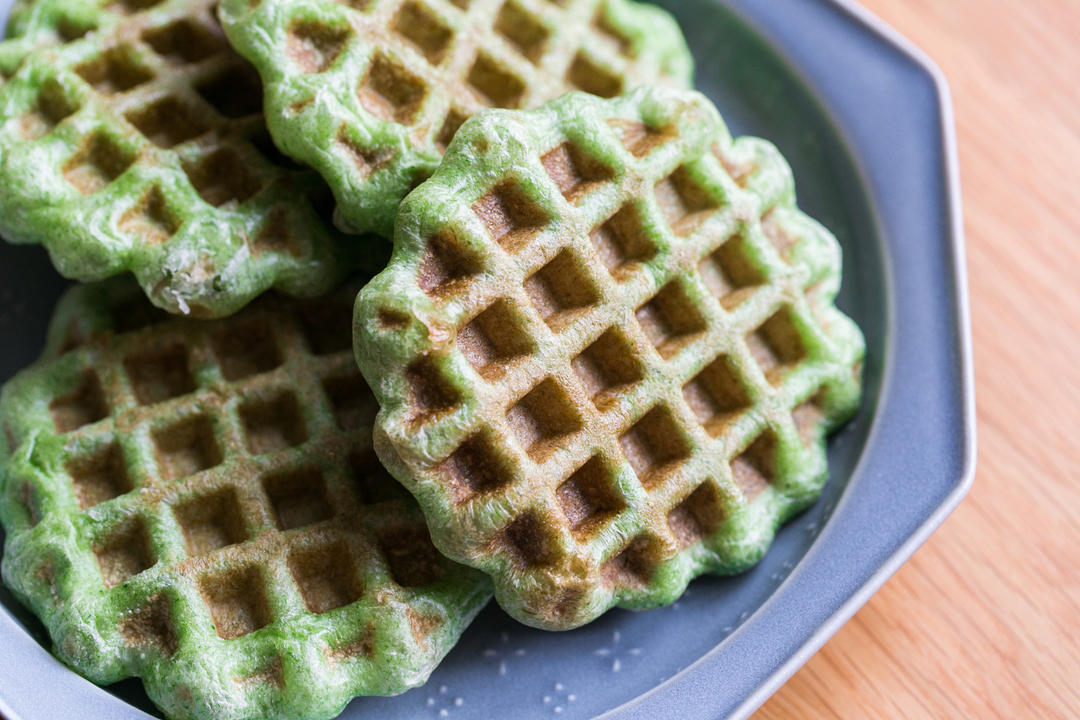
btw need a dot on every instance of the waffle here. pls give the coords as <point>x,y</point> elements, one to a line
<point>38,23</point>
<point>198,504</point>
<point>606,351</point>
<point>370,92</point>
<point>141,147</point>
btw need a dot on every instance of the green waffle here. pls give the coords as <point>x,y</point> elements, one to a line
<point>606,351</point>
<point>370,92</point>
<point>141,147</point>
<point>198,504</point>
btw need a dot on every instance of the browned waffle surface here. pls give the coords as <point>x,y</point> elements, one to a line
<point>132,139</point>
<point>370,93</point>
<point>198,504</point>
<point>606,351</point>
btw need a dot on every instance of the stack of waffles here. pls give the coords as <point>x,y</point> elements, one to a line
<point>593,353</point>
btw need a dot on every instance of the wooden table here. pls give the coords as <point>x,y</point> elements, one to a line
<point>984,621</point>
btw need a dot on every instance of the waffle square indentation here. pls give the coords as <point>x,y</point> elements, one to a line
<point>684,203</point>
<point>314,46</point>
<point>326,576</point>
<point>494,84</point>
<point>608,368</point>
<point>211,521</point>
<point>167,122</point>
<point>151,626</point>
<point>373,482</point>
<point>351,400</point>
<point>592,77</point>
<point>529,542</point>
<point>245,348</point>
<point>100,476</point>
<point>99,160</point>
<point>431,395</point>
<point>53,105</point>
<point>446,266</point>
<point>222,178</point>
<point>809,418</point>
<point>671,320</point>
<point>729,274</point>
<point>390,91</point>
<point>717,395</point>
<point>413,561</point>
<point>273,423</point>
<point>622,243</point>
<point>510,216</point>
<point>638,138</point>
<point>574,172</point>
<point>698,516</point>
<point>159,375</point>
<point>151,219</point>
<point>420,26</point>
<point>125,552</point>
<point>777,346</point>
<point>115,70</point>
<point>298,497</point>
<point>186,447</point>
<point>184,41</point>
<point>635,564</point>
<point>588,498</point>
<point>84,405</point>
<point>478,466</point>
<point>544,419</point>
<point>755,467</point>
<point>655,446</point>
<point>495,340</point>
<point>561,291</point>
<point>523,30</point>
<point>237,601</point>
<point>235,92</point>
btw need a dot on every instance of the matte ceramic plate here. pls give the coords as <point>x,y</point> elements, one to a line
<point>865,121</point>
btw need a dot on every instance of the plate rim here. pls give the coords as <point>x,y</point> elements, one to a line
<point>700,671</point>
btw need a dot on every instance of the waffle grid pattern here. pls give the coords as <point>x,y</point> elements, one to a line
<point>620,352</point>
<point>198,504</point>
<point>370,92</point>
<point>38,23</point>
<point>142,147</point>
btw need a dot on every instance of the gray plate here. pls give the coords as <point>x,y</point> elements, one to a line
<point>865,121</point>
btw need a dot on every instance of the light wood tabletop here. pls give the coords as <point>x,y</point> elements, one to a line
<point>984,621</point>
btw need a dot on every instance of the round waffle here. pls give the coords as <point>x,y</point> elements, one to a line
<point>141,146</point>
<point>606,351</point>
<point>198,504</point>
<point>370,92</point>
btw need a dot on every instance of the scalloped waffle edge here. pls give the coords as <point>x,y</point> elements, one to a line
<point>606,351</point>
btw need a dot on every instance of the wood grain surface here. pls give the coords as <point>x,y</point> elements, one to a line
<point>984,621</point>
